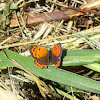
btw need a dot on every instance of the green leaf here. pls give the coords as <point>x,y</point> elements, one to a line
<point>81,57</point>
<point>57,75</point>
<point>94,66</point>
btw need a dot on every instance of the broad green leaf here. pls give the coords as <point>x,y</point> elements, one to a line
<point>81,57</point>
<point>59,75</point>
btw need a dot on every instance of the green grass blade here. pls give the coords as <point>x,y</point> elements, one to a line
<point>51,73</point>
<point>81,57</point>
<point>94,66</point>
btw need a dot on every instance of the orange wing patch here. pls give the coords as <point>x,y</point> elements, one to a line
<point>38,51</point>
<point>56,50</point>
<point>56,55</point>
<point>57,64</point>
<point>39,65</point>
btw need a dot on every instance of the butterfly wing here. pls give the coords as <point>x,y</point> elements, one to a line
<point>40,55</point>
<point>56,54</point>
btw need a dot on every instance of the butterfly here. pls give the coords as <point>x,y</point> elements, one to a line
<point>43,57</point>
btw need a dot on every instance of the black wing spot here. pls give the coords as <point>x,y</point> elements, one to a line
<point>39,49</point>
<point>38,55</point>
<point>34,49</point>
<point>55,47</point>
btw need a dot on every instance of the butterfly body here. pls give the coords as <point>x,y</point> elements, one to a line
<point>43,57</point>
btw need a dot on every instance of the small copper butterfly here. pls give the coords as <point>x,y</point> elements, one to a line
<point>43,57</point>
